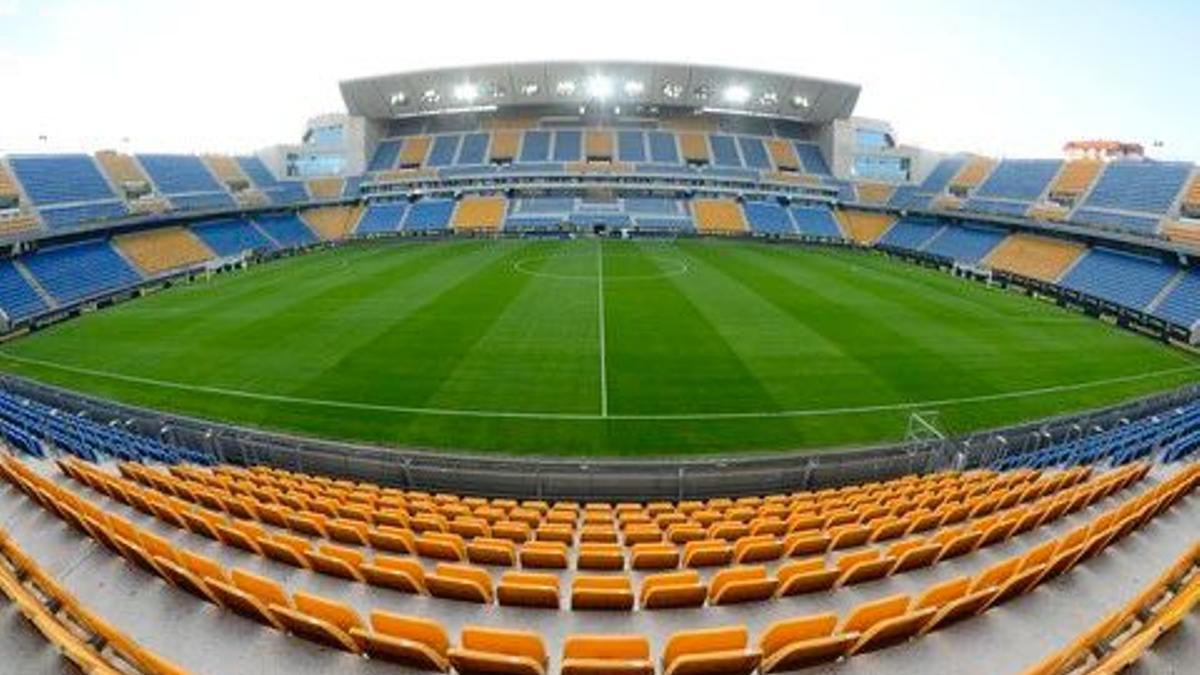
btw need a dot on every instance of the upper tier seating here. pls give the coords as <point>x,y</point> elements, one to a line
<point>64,217</point>
<point>1184,233</point>
<point>179,174</point>
<point>663,148</point>
<point>768,218</point>
<point>865,227</point>
<point>429,215</point>
<point>480,214</point>
<point>233,236</point>
<point>1126,279</point>
<point>257,172</point>
<point>875,193</point>
<point>812,159</point>
<point>1035,257</point>
<point>631,146</point>
<point>972,173</point>
<point>940,177</point>
<point>380,218</point>
<point>474,149</point>
<point>1145,186</point>
<point>325,188</point>
<point>598,145</point>
<point>1076,178</point>
<point>1023,180</point>
<point>911,233</point>
<point>568,146</point>
<point>332,223</point>
<point>386,154</point>
<point>694,147</point>
<point>226,169</point>
<point>163,249</point>
<point>966,243</point>
<point>754,153</point>
<point>908,197</point>
<point>998,207</point>
<point>445,149</point>
<point>815,221</point>
<point>61,179</point>
<point>718,216</point>
<point>783,154</point>
<point>121,168</point>
<point>1182,303</point>
<point>414,151</point>
<point>286,229</point>
<point>535,146</point>
<point>1190,202</point>
<point>725,151</point>
<point>504,145</point>
<point>8,186</point>
<point>18,298</point>
<point>78,271</point>
<point>1123,221</point>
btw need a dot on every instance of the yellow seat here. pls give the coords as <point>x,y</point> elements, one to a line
<point>492,551</point>
<point>601,592</point>
<point>490,651</point>
<point>806,576</point>
<point>673,589</point>
<point>741,584</point>
<point>707,553</point>
<point>544,554</point>
<point>604,556</point>
<point>322,621</point>
<point>863,566</point>
<point>460,582</point>
<point>399,574</point>
<point>337,561</point>
<point>406,640</point>
<point>606,655</point>
<point>654,556</point>
<point>713,651</point>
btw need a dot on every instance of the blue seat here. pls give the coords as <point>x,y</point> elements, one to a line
<point>232,236</point>
<point>568,146</point>
<point>631,146</point>
<point>1182,303</point>
<point>286,229</point>
<point>535,147</point>
<point>768,218</point>
<point>444,150</point>
<point>17,297</point>
<point>473,149</point>
<point>815,221</point>
<point>79,271</point>
<point>60,179</point>
<point>1143,186</point>
<point>911,233</point>
<point>1023,180</point>
<point>429,215</point>
<point>1125,279</point>
<point>754,152</point>
<point>724,151</point>
<point>966,243</point>
<point>387,153</point>
<point>380,218</point>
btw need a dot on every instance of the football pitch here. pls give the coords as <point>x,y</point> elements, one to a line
<point>597,348</point>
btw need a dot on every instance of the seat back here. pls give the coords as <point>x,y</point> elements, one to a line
<point>336,613</point>
<point>940,594</point>
<point>510,642</point>
<point>607,647</point>
<point>727,638</point>
<point>266,590</point>
<point>782,633</point>
<point>870,613</point>
<point>425,631</point>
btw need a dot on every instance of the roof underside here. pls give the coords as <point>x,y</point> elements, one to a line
<point>541,84</point>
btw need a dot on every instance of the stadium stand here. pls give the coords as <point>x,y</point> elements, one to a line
<point>232,237</point>
<point>1125,221</point>
<point>724,151</point>
<point>1022,180</point>
<point>429,215</point>
<point>1001,207</point>
<point>285,229</point>
<point>568,146</point>
<point>325,189</point>
<point>1189,204</point>
<point>1076,179</point>
<point>767,218</point>
<point>783,155</point>
<point>907,197</point>
<point>121,169</point>
<point>1182,303</point>
<point>1143,187</point>
<point>18,298</point>
<point>812,159</point>
<point>79,271</point>
<point>382,217</point>
<point>973,172</point>
<point>227,170</point>
<point>1035,257</point>
<point>474,149</point>
<point>942,174</point>
<point>815,221</point>
<point>754,153</point>
<point>1123,278</point>
<point>504,145</point>
<point>1184,233</point>
<point>865,227</point>
<point>162,250</point>
<point>598,145</point>
<point>875,193</point>
<point>664,148</point>
<point>535,146</point>
<point>718,216</point>
<point>966,243</point>
<point>386,155</point>
<point>631,146</point>
<point>444,150</point>
<point>185,181</point>
<point>60,179</point>
<point>479,214</point>
<point>694,147</point>
<point>911,233</point>
<point>332,223</point>
<point>414,151</point>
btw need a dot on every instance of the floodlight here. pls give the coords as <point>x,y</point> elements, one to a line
<point>530,89</point>
<point>672,90</point>
<point>565,87</point>
<point>399,99</point>
<point>466,92</point>
<point>600,87</point>
<point>634,88</point>
<point>737,94</point>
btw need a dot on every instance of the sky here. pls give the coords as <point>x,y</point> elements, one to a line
<point>1012,78</point>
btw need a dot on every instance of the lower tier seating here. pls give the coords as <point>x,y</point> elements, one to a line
<point>332,223</point>
<point>232,237</point>
<point>1040,258</point>
<point>865,227</point>
<point>162,250</point>
<point>1129,280</point>
<point>78,271</point>
<point>480,214</point>
<point>718,216</point>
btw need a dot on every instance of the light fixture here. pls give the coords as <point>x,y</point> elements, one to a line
<point>672,90</point>
<point>634,88</point>
<point>466,91</point>
<point>565,87</point>
<point>399,99</point>
<point>599,86</point>
<point>800,101</point>
<point>702,92</point>
<point>430,96</point>
<point>736,94</point>
<point>530,89</point>
<point>498,91</point>
<point>768,99</point>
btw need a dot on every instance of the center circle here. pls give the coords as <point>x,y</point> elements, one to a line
<point>676,268</point>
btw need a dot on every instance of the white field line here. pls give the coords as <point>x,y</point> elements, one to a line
<point>534,415</point>
<point>603,337</point>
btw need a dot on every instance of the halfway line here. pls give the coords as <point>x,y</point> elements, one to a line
<point>601,328</point>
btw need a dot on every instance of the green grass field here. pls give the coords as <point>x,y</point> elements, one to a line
<point>598,348</point>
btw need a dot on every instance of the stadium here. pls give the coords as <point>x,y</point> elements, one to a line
<point>599,368</point>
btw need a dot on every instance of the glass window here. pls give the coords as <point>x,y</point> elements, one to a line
<point>328,135</point>
<point>315,165</point>
<point>869,138</point>
<point>876,167</point>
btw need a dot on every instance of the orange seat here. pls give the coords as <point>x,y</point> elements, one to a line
<point>601,592</point>
<point>399,574</point>
<point>410,641</point>
<point>707,553</point>
<point>337,561</point>
<point>806,641</point>
<point>757,548</point>
<point>322,621</point>
<point>544,554</point>
<point>594,556</point>
<point>528,589</point>
<point>606,655</point>
<point>460,582</point>
<point>741,584</point>
<point>673,589</point>
<point>654,556</point>
<point>492,551</point>
<point>490,651</point>
<point>713,651</point>
<point>806,576</point>
<point>862,566</point>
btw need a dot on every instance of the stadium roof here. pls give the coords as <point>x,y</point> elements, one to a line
<point>584,83</point>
